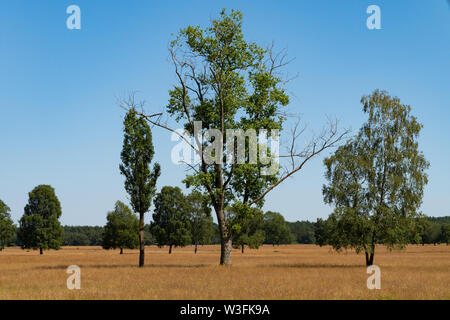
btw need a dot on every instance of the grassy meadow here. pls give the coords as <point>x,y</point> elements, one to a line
<point>284,272</point>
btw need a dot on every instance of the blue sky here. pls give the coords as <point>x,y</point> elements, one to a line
<point>60,123</point>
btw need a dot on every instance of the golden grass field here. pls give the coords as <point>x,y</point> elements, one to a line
<point>284,272</point>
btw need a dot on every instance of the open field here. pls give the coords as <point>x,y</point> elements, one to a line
<point>284,272</point>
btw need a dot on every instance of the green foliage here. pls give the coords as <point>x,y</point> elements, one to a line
<point>149,237</point>
<point>82,235</point>
<point>39,227</point>
<point>276,229</point>
<point>200,219</point>
<point>7,227</point>
<point>137,153</point>
<point>445,233</point>
<point>122,228</point>
<point>376,180</point>
<point>170,224</point>
<point>247,224</point>
<point>302,231</point>
<point>321,232</point>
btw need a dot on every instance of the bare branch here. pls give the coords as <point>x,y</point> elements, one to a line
<point>327,139</point>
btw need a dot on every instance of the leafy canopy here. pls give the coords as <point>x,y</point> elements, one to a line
<point>39,227</point>
<point>376,180</point>
<point>170,224</point>
<point>7,227</point>
<point>122,228</point>
<point>137,153</point>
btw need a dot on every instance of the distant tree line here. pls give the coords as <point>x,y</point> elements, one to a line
<point>264,228</point>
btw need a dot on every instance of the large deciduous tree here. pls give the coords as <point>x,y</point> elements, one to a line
<point>122,229</point>
<point>225,82</point>
<point>376,180</point>
<point>140,181</point>
<point>7,227</point>
<point>170,224</point>
<point>39,227</point>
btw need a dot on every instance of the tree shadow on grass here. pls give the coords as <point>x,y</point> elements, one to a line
<point>118,266</point>
<point>313,266</point>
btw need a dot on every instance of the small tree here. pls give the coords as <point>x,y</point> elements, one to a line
<point>122,229</point>
<point>247,227</point>
<point>39,227</point>
<point>140,181</point>
<point>376,180</point>
<point>321,232</point>
<point>170,218</point>
<point>200,219</point>
<point>7,227</point>
<point>277,232</point>
<point>445,232</point>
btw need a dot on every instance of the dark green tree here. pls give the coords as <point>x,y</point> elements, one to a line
<point>302,231</point>
<point>321,232</point>
<point>445,233</point>
<point>376,180</point>
<point>122,229</point>
<point>247,227</point>
<point>432,233</point>
<point>7,227</point>
<point>171,218</point>
<point>140,181</point>
<point>277,232</point>
<point>226,83</point>
<point>200,219</point>
<point>39,227</point>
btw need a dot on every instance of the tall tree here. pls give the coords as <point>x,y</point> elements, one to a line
<point>7,227</point>
<point>200,219</point>
<point>376,180</point>
<point>171,218</point>
<point>225,82</point>
<point>277,231</point>
<point>140,181</point>
<point>39,227</point>
<point>122,229</point>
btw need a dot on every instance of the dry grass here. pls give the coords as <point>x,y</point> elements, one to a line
<point>285,272</point>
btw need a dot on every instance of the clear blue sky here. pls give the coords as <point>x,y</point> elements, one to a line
<point>60,123</point>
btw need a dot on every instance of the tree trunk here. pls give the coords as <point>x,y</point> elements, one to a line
<point>121,250</point>
<point>225,252</point>
<point>40,251</point>
<point>141,240</point>
<point>195,250</point>
<point>170,249</point>
<point>242,248</point>
<point>226,243</point>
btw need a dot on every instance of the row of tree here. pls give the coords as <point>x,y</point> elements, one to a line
<point>375,180</point>
<point>181,220</point>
